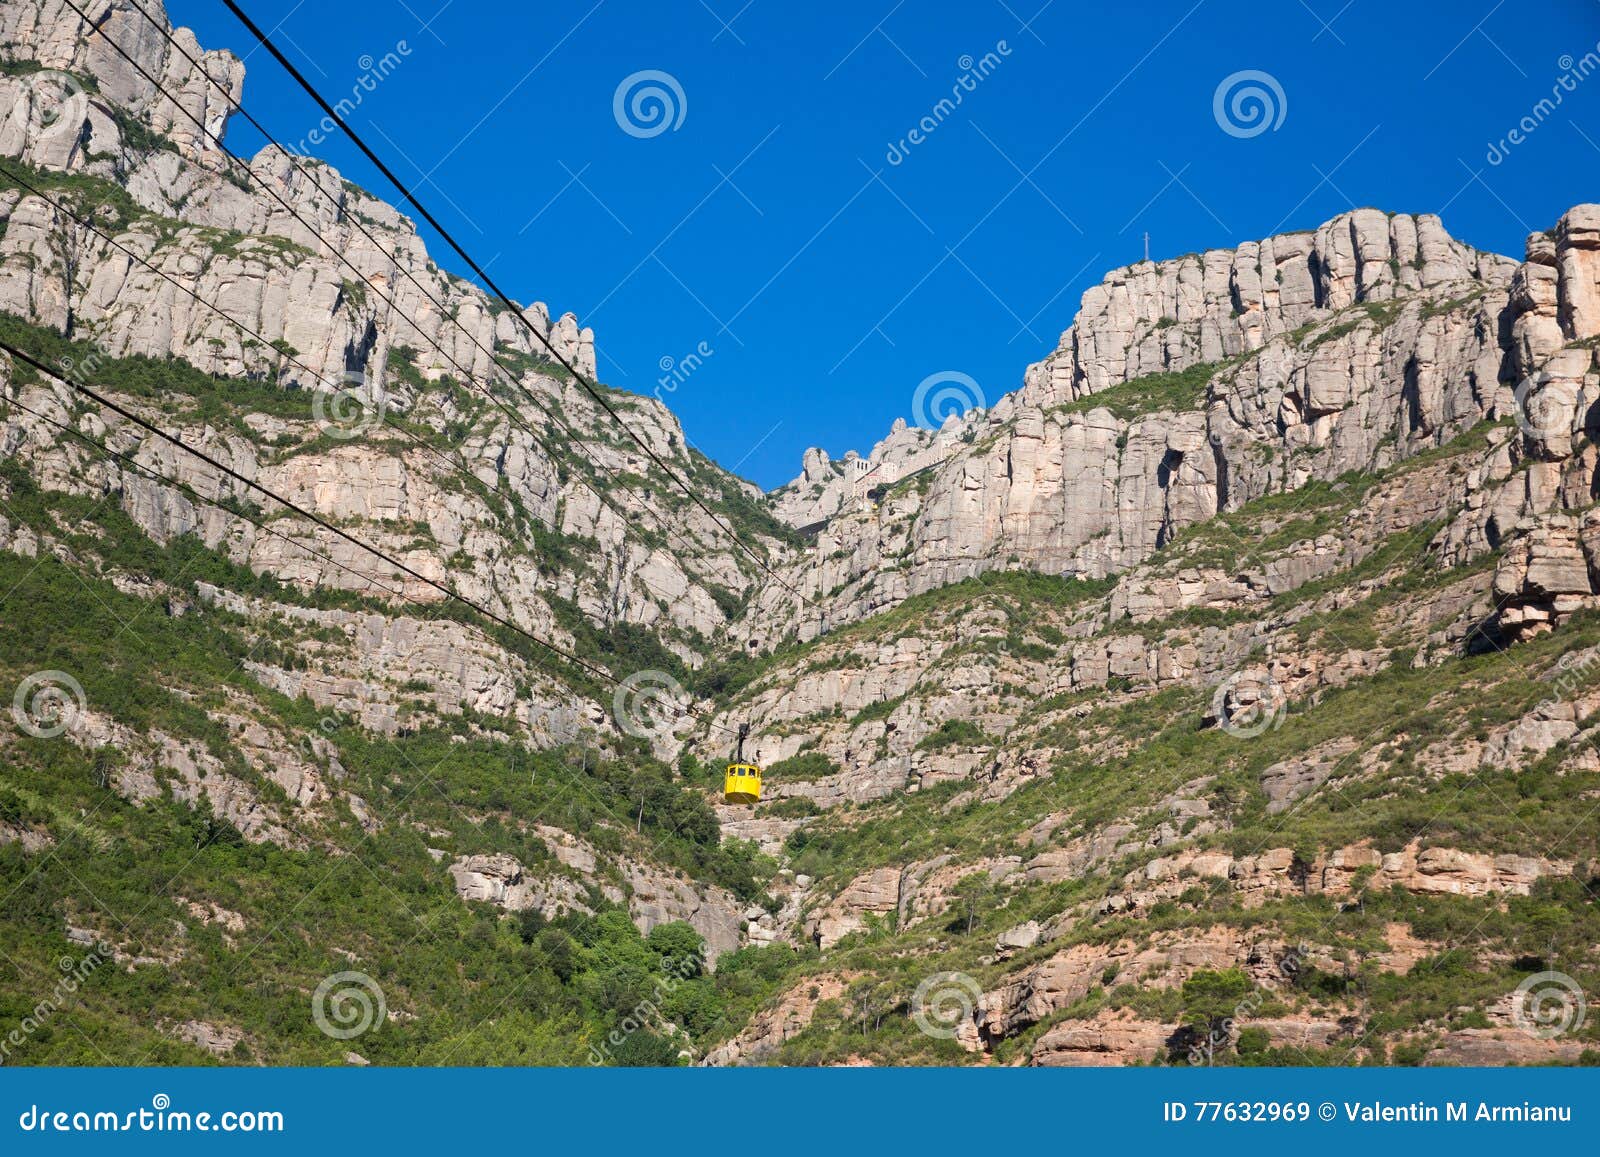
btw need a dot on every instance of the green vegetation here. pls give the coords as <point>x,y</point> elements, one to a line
<point>361,878</point>
<point>955,732</point>
<point>172,386</point>
<point>806,765</point>
<point>1154,393</point>
<point>1373,313</point>
<point>534,992</point>
<point>749,516</point>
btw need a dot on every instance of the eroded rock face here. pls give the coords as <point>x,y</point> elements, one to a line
<point>343,298</point>
<point>911,894</point>
<point>283,273</point>
<point>1539,512</point>
<point>288,274</point>
<point>79,130</point>
<point>1066,977</point>
<point>1344,349</point>
<point>28,839</point>
<point>305,290</point>
<point>873,701</point>
<point>1286,782</point>
<point>1278,872</point>
<point>157,764</point>
<point>790,1015</point>
<point>1163,316</point>
<point>659,897</point>
<point>654,895</point>
<point>876,893</point>
<point>500,880</point>
<point>1103,1042</point>
<point>1486,1047</point>
<point>217,1039</point>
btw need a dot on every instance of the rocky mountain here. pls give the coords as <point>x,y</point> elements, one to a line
<point>1225,693</point>
<point>1184,388</point>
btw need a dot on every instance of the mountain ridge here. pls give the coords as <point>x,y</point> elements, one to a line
<point>1257,625</point>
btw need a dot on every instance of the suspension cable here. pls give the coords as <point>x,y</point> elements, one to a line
<point>295,508</point>
<point>266,42</point>
<point>400,266</point>
<point>133,255</point>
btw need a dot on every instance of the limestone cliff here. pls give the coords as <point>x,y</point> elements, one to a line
<point>1183,388</point>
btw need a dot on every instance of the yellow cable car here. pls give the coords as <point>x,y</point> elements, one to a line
<point>742,783</point>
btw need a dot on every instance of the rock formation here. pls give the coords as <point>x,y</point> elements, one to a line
<point>1085,693</point>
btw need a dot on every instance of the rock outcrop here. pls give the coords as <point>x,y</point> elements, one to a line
<point>653,895</point>
<point>1183,389</point>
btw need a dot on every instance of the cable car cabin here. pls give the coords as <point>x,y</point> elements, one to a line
<point>742,784</point>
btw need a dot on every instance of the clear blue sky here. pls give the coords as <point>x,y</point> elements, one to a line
<point>758,226</point>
